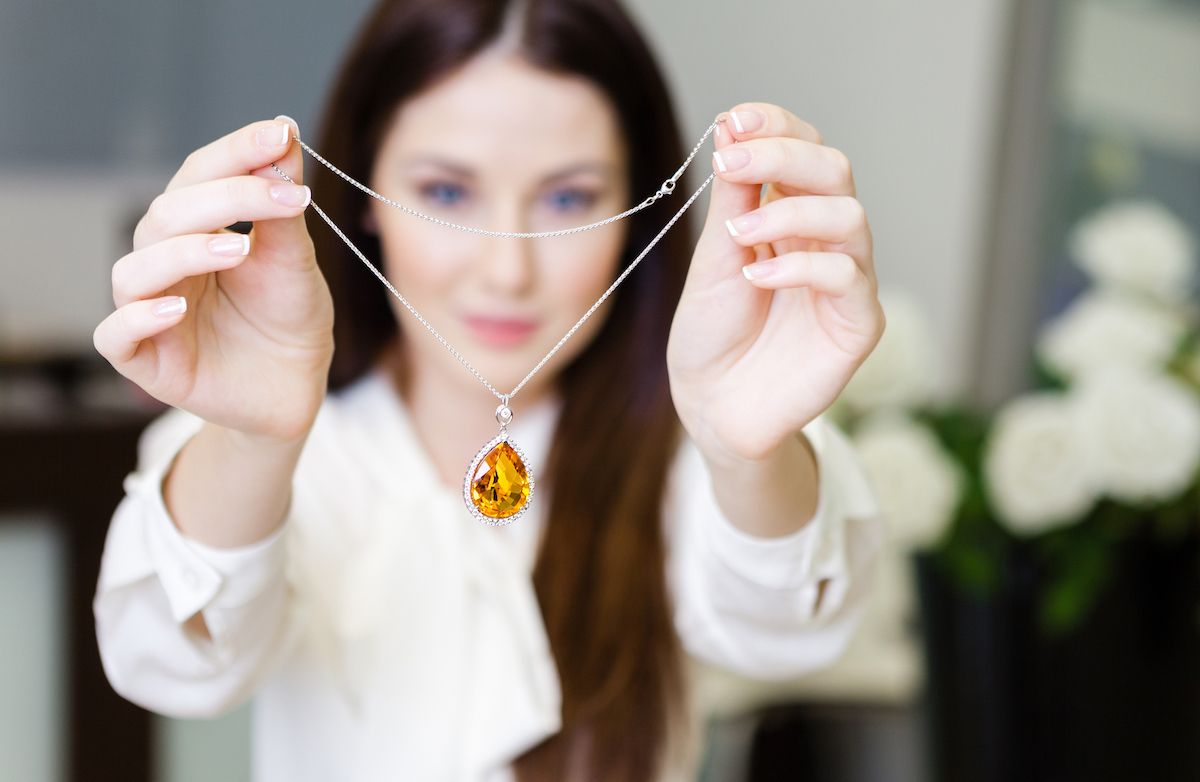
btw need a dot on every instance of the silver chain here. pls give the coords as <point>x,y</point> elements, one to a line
<point>667,187</point>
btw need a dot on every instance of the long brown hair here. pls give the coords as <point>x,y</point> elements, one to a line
<point>600,573</point>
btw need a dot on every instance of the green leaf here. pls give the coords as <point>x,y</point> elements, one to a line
<point>1079,564</point>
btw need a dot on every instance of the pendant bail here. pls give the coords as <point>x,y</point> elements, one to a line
<point>503,412</point>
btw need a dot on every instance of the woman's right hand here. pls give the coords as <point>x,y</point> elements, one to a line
<point>237,331</point>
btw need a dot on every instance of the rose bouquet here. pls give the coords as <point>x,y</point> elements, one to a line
<point>1106,448</point>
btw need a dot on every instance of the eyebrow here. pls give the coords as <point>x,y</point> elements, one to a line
<point>438,162</point>
<point>579,168</point>
<point>466,173</point>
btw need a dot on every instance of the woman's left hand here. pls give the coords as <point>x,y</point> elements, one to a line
<point>780,304</point>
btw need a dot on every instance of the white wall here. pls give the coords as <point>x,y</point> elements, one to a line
<point>1134,69</point>
<point>32,651</point>
<point>62,230</point>
<point>203,750</point>
<point>909,90</point>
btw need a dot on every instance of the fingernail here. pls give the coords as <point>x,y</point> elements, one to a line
<point>176,305</point>
<point>744,224</point>
<point>288,194</point>
<point>294,126</point>
<point>274,135</point>
<point>759,271</point>
<point>731,158</point>
<point>747,121</point>
<point>233,245</point>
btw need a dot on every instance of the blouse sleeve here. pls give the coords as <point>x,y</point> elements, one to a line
<point>772,608</point>
<point>153,579</point>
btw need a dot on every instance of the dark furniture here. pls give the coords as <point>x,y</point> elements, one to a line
<point>69,463</point>
<point>1116,699</point>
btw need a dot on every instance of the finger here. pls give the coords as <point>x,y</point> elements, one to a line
<point>210,206</point>
<point>791,162</point>
<point>835,220</point>
<point>148,272</point>
<point>292,163</point>
<point>728,199</point>
<point>120,335</point>
<point>279,239</point>
<point>835,274</point>
<point>761,120</point>
<point>248,149</point>
<point>718,257</point>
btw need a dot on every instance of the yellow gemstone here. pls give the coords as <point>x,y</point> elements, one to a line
<point>500,486</point>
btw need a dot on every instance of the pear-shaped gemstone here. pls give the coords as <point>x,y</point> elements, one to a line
<point>500,486</point>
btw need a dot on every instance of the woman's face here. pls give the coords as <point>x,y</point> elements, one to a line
<point>504,146</point>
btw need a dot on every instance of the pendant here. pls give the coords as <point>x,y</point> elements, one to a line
<point>498,486</point>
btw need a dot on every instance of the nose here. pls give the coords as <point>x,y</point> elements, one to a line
<point>508,264</point>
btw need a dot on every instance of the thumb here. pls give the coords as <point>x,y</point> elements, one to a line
<point>284,240</point>
<point>717,255</point>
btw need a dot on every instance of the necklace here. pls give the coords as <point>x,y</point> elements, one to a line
<point>498,485</point>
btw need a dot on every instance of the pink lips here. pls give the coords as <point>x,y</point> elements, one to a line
<point>500,332</point>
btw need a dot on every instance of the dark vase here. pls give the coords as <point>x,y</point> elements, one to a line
<point>1117,698</point>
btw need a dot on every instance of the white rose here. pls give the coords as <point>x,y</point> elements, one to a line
<point>917,482</point>
<point>1035,465</point>
<point>1137,245</point>
<point>903,371</point>
<point>1106,328</point>
<point>1144,434</point>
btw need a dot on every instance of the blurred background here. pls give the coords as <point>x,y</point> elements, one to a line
<point>995,144</point>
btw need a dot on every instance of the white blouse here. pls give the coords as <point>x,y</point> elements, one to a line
<point>388,635</point>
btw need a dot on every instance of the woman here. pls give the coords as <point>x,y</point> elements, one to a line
<point>313,548</point>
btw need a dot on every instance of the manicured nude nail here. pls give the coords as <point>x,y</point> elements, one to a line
<point>744,224</point>
<point>274,135</point>
<point>293,125</point>
<point>731,158</point>
<point>176,305</point>
<point>291,195</point>
<point>232,245</point>
<point>747,121</point>
<point>759,271</point>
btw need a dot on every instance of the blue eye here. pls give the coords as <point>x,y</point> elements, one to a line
<point>444,193</point>
<point>567,200</point>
